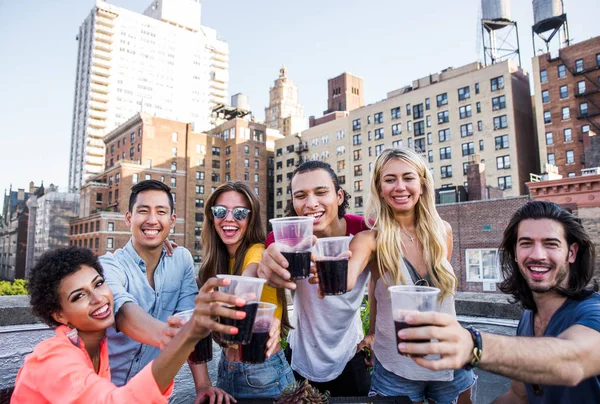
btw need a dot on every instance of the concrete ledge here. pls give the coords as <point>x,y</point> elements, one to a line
<point>15,310</point>
<point>487,305</point>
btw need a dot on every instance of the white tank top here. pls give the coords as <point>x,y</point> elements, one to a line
<point>326,331</point>
<point>385,345</point>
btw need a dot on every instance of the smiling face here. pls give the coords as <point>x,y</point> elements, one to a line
<point>314,195</point>
<point>151,220</point>
<point>400,186</point>
<point>230,230</point>
<point>543,254</point>
<point>86,301</point>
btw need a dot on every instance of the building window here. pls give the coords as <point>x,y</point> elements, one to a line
<point>147,177</point>
<point>135,178</point>
<point>443,117</point>
<point>356,140</point>
<point>568,135</point>
<point>397,144</point>
<point>446,171</point>
<point>482,265</point>
<point>215,177</point>
<point>480,126</point>
<point>502,162</point>
<point>256,164</point>
<point>579,65</point>
<point>216,151</point>
<point>419,145</point>
<point>571,175</point>
<point>396,129</point>
<point>356,124</point>
<point>543,76</point>
<point>501,142</point>
<point>378,118</point>
<point>200,175</point>
<point>566,113</point>
<point>481,144</point>
<point>428,121</point>
<point>418,112</point>
<point>505,182</point>
<point>419,128</point>
<point>358,202</point>
<point>358,186</point>
<point>465,111</point>
<point>442,99</point>
<point>547,117</point>
<point>173,182</point>
<point>256,152</point>
<point>545,96</point>
<point>550,159</point>
<point>466,130</point>
<point>500,102</point>
<point>564,92</point>
<point>216,164</point>
<point>500,122</point>
<point>465,168</point>
<point>585,128</point>
<point>408,111</point>
<point>583,108</point>
<point>429,138</point>
<point>478,106</point>
<point>427,104</point>
<point>549,138</point>
<point>173,166</point>
<point>110,243</point>
<point>562,71</point>
<point>378,133</point>
<point>497,83</point>
<point>288,163</point>
<point>256,177</point>
<point>199,217</point>
<point>358,170</point>
<point>200,189</point>
<point>445,153</point>
<point>570,155</point>
<point>444,135</point>
<point>468,148</point>
<point>357,155</point>
<point>408,126</point>
<point>464,93</point>
<point>199,203</point>
<point>430,156</point>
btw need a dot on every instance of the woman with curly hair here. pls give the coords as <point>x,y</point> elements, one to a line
<point>408,244</point>
<point>232,243</point>
<point>68,293</point>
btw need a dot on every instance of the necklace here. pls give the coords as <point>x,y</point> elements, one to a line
<point>411,238</point>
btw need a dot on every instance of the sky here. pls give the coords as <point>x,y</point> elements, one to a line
<point>389,43</point>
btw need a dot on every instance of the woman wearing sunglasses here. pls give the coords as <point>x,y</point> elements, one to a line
<point>408,244</point>
<point>232,242</point>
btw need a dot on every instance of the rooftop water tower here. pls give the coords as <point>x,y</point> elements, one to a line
<point>500,34</point>
<point>550,19</point>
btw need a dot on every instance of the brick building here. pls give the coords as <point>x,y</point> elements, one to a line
<point>192,164</point>
<point>567,105</point>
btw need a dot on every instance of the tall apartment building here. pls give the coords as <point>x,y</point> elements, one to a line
<point>567,107</point>
<point>192,164</point>
<point>284,113</point>
<point>162,62</point>
<point>447,116</point>
<point>345,93</point>
<point>49,213</point>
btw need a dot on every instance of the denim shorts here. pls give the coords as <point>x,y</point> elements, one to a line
<point>262,380</point>
<point>386,383</point>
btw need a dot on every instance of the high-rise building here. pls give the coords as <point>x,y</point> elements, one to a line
<point>448,116</point>
<point>162,62</point>
<point>192,164</point>
<point>284,113</point>
<point>567,107</point>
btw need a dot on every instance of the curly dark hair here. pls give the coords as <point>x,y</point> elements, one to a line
<point>44,279</point>
<point>581,271</point>
<point>313,165</point>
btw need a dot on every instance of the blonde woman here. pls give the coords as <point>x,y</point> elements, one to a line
<point>408,244</point>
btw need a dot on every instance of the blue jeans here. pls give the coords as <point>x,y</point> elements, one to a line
<point>386,383</point>
<point>262,380</point>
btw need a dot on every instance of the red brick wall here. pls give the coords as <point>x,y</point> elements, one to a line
<point>478,224</point>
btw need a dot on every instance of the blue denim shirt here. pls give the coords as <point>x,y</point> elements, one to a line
<point>174,290</point>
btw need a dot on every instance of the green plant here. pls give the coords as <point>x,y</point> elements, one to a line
<point>365,314</point>
<point>18,287</point>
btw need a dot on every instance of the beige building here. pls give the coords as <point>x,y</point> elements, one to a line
<point>448,116</point>
<point>284,113</point>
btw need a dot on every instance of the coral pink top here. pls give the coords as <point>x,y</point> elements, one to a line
<point>59,371</point>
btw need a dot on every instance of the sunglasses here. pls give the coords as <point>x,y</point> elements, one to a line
<point>422,282</point>
<point>239,213</point>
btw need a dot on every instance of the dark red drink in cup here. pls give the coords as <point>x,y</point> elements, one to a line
<point>203,350</point>
<point>293,236</point>
<point>255,351</point>
<point>331,257</point>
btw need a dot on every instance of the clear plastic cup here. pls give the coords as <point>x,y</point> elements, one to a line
<point>407,299</point>
<point>294,238</point>
<point>331,257</point>
<point>247,288</point>
<point>254,352</point>
<point>203,350</point>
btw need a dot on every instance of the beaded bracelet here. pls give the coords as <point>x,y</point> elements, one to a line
<point>477,349</point>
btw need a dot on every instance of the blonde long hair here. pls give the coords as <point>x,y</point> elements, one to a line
<point>429,226</point>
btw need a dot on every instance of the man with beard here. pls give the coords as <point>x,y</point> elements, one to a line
<point>547,262</point>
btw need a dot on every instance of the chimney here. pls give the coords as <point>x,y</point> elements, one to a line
<point>476,187</point>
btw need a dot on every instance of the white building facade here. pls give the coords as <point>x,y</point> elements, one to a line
<point>162,62</point>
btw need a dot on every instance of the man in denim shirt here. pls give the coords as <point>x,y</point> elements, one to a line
<point>149,286</point>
